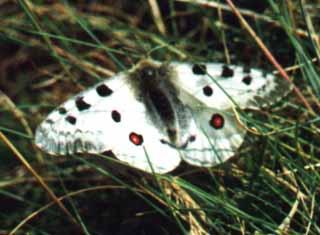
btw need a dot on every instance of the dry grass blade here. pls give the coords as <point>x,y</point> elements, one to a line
<point>285,183</point>
<point>6,103</point>
<point>262,46</point>
<point>223,37</point>
<point>157,16</point>
<point>194,213</point>
<point>253,15</point>
<point>312,30</point>
<point>284,227</point>
<point>176,193</point>
<point>268,54</point>
<point>37,176</point>
<point>60,199</point>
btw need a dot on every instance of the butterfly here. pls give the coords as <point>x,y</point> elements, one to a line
<point>157,114</point>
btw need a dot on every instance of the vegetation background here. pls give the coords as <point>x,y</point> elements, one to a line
<point>50,50</point>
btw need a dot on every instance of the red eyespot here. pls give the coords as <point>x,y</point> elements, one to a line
<point>217,121</point>
<point>136,138</point>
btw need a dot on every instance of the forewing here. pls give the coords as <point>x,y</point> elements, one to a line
<point>107,117</point>
<point>221,86</point>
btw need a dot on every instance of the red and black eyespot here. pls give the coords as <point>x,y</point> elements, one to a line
<point>247,80</point>
<point>207,91</point>
<point>136,138</point>
<point>71,119</point>
<point>226,71</point>
<point>116,116</point>
<point>103,90</point>
<point>199,69</point>
<point>216,121</point>
<point>81,104</point>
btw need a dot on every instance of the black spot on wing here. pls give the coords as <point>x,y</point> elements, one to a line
<point>199,69</point>
<point>103,90</point>
<point>207,91</point>
<point>49,121</point>
<point>62,110</point>
<point>81,104</point>
<point>247,80</point>
<point>192,138</point>
<point>109,153</point>
<point>116,116</point>
<point>71,119</point>
<point>226,71</point>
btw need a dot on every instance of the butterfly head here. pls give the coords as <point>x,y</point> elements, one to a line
<point>150,72</point>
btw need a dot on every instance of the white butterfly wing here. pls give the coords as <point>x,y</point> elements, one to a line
<point>211,90</point>
<point>110,117</point>
<point>221,86</point>
<point>107,117</point>
<point>218,135</point>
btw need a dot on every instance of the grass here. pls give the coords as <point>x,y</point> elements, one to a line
<point>50,51</point>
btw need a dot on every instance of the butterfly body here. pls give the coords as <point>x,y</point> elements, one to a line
<point>153,86</point>
<point>156,114</point>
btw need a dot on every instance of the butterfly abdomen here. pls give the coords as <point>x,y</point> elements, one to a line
<point>159,102</point>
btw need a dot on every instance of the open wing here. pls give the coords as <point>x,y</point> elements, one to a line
<point>103,118</point>
<point>222,86</point>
